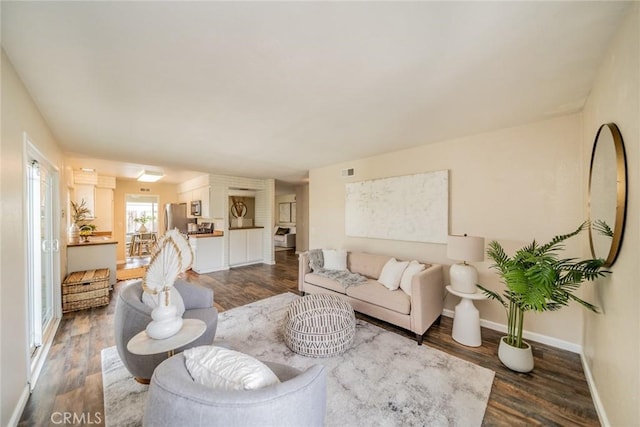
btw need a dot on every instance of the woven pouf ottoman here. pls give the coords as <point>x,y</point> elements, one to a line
<point>319,325</point>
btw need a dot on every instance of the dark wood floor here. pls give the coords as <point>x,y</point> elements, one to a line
<point>555,393</point>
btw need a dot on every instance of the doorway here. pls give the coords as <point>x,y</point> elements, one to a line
<point>141,228</point>
<point>43,259</point>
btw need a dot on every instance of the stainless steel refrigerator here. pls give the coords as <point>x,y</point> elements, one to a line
<point>175,216</point>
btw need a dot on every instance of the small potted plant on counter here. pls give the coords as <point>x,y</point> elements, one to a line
<point>86,231</point>
<point>537,279</point>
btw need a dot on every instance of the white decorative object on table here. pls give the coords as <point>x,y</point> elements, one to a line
<point>172,257</point>
<point>166,321</point>
<point>465,248</point>
<point>466,320</point>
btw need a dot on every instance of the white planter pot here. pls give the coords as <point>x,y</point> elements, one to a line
<point>74,233</point>
<point>514,358</point>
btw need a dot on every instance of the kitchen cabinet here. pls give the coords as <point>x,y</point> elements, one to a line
<point>184,197</point>
<point>97,192</point>
<point>245,246</point>
<point>86,192</point>
<point>201,194</point>
<point>98,253</point>
<point>207,253</point>
<point>104,209</point>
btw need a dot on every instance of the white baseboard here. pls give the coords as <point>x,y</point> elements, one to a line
<point>543,339</point>
<point>563,345</point>
<point>17,411</point>
<point>595,396</point>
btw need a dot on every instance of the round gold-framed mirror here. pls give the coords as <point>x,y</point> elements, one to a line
<point>607,193</point>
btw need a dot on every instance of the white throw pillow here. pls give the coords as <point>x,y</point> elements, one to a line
<point>334,260</point>
<point>413,268</point>
<point>392,273</point>
<point>226,369</point>
<point>176,299</point>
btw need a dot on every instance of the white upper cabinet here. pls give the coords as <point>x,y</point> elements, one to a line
<point>196,189</point>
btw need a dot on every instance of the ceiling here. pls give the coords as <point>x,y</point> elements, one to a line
<point>273,89</point>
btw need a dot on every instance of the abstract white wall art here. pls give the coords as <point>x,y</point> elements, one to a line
<point>412,207</point>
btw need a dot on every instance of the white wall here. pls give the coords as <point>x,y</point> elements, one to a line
<point>284,198</point>
<point>302,218</point>
<point>512,185</point>
<point>19,114</point>
<point>612,339</point>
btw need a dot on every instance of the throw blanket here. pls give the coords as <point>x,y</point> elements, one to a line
<point>344,277</point>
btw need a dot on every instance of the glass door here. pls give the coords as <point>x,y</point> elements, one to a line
<point>42,250</point>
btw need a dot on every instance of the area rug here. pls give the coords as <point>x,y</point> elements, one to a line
<point>384,379</point>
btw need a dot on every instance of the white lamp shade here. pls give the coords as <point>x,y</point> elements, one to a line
<point>465,248</point>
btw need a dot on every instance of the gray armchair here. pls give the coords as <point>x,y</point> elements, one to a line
<point>133,316</point>
<point>175,399</point>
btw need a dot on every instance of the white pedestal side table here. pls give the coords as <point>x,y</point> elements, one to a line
<point>466,320</point>
<point>141,344</point>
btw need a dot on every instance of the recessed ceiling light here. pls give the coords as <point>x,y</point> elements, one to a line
<point>149,176</point>
<point>87,169</point>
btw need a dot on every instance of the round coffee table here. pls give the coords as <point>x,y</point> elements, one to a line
<point>319,325</point>
<point>141,344</point>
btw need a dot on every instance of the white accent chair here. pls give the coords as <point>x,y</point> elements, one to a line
<point>286,240</point>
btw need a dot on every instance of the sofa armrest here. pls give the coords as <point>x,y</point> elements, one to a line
<point>194,296</point>
<point>427,298</point>
<point>290,240</point>
<point>303,269</point>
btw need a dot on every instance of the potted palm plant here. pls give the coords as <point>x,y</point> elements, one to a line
<point>537,279</point>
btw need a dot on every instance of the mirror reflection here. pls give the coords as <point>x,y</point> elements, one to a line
<point>607,193</point>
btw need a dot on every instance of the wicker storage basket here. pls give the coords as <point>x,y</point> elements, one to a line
<point>85,289</point>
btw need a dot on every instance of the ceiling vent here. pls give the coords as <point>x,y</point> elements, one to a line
<point>347,172</point>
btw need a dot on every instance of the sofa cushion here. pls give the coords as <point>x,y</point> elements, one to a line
<point>375,293</point>
<point>368,265</point>
<point>334,260</point>
<point>413,268</point>
<point>392,273</point>
<point>324,282</point>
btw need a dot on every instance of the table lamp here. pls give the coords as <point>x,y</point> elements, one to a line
<point>465,248</point>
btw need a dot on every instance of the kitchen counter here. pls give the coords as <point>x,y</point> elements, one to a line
<point>98,252</point>
<point>95,241</point>
<point>200,236</point>
<point>245,228</point>
<point>208,252</point>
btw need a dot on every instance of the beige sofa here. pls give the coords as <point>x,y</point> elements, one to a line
<point>415,313</point>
